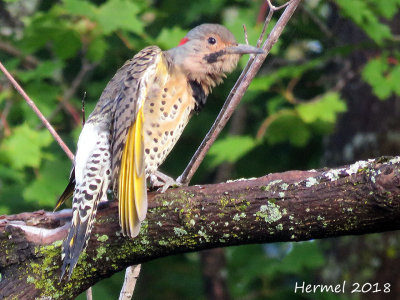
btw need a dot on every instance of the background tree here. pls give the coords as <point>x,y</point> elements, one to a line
<point>334,57</point>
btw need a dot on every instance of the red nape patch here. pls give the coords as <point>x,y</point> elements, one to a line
<point>183,41</point>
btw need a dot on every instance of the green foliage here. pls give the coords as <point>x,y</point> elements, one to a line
<point>290,107</point>
<point>24,148</point>
<point>288,127</point>
<point>324,109</point>
<point>49,184</point>
<point>238,145</point>
<point>269,265</point>
<point>363,14</point>
<point>127,16</point>
<point>382,76</point>
<point>170,37</point>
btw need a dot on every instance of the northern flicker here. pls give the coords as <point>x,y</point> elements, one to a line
<point>135,124</point>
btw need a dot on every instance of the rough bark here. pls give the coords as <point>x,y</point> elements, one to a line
<point>293,206</point>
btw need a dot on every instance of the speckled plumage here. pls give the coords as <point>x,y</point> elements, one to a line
<point>137,121</point>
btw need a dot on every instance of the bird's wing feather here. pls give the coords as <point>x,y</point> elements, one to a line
<point>129,176</point>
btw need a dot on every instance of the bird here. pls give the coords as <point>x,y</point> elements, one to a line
<point>136,122</point>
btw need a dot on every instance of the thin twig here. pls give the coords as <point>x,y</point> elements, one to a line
<point>325,29</point>
<point>275,8</point>
<point>89,294</point>
<point>262,11</point>
<point>28,60</point>
<point>237,93</point>
<point>3,119</point>
<point>131,276</point>
<point>266,23</point>
<point>246,37</point>
<point>37,111</point>
<point>271,11</point>
<point>83,109</point>
<point>270,119</point>
<point>86,67</point>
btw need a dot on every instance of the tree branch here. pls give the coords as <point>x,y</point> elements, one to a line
<point>33,106</point>
<point>291,206</point>
<point>28,60</point>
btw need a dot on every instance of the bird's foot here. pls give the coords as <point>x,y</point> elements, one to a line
<point>162,181</point>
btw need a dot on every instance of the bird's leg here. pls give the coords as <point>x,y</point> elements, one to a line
<point>158,179</point>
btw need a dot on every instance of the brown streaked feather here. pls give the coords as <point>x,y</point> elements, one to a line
<point>129,177</point>
<point>136,73</point>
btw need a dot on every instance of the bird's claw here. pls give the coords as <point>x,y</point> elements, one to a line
<point>163,181</point>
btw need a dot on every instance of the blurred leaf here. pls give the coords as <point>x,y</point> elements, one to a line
<point>44,70</point>
<point>43,29</point>
<point>119,14</point>
<point>97,49</point>
<point>5,94</point>
<point>170,37</point>
<point>80,7</point>
<point>387,8</point>
<point>230,149</point>
<point>49,183</point>
<point>199,8</point>
<point>274,104</point>
<point>394,79</point>
<point>264,83</point>
<point>325,109</point>
<point>24,148</point>
<point>4,210</point>
<point>66,43</point>
<point>11,63</point>
<point>304,255</point>
<point>235,19</point>
<point>288,127</point>
<point>376,73</point>
<point>45,96</point>
<point>362,14</point>
<point>8,173</point>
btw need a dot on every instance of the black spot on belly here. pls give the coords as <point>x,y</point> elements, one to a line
<point>88,196</point>
<point>92,187</point>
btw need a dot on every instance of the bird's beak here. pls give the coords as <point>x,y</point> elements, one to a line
<point>243,49</point>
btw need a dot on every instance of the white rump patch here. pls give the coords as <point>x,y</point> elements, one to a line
<point>86,145</point>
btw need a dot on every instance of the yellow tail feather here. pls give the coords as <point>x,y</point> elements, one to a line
<point>140,189</point>
<point>132,191</point>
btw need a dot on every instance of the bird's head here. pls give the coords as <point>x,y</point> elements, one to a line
<point>208,52</point>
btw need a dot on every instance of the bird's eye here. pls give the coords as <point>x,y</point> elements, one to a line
<point>211,40</point>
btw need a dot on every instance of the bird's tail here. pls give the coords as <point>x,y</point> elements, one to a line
<point>87,194</point>
<point>68,192</point>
